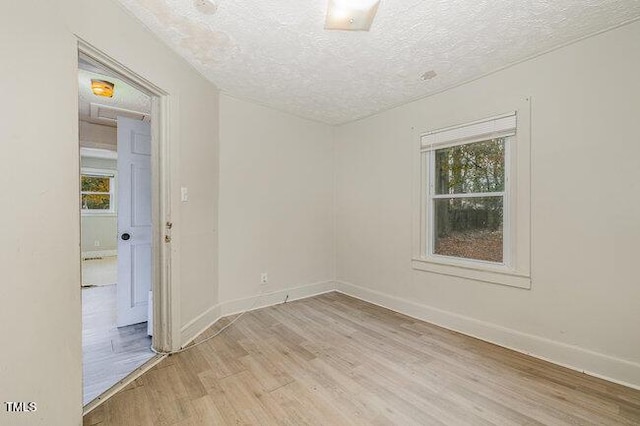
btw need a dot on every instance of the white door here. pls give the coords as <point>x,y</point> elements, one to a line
<point>134,221</point>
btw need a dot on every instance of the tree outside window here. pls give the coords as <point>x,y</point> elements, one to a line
<point>96,193</point>
<point>468,199</point>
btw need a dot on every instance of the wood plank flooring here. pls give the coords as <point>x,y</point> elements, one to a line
<point>336,360</point>
<point>108,353</point>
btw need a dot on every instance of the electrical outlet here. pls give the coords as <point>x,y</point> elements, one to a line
<point>96,243</point>
<point>264,278</point>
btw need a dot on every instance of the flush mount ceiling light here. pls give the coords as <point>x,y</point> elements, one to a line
<point>102,88</point>
<point>206,7</point>
<point>428,75</point>
<point>351,15</point>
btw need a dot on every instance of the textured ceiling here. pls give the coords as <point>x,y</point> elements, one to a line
<point>124,96</point>
<point>277,53</point>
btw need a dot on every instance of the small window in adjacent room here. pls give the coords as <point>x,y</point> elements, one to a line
<point>97,191</point>
<point>472,194</point>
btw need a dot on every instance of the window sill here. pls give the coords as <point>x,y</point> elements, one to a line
<point>495,275</point>
<point>98,214</point>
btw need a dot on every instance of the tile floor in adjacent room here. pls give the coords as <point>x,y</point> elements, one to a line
<point>109,353</point>
<point>100,271</point>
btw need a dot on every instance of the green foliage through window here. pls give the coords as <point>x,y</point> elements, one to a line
<point>468,200</point>
<point>95,192</point>
<point>475,167</point>
<point>96,184</point>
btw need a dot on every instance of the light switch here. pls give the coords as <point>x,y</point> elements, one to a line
<point>184,194</point>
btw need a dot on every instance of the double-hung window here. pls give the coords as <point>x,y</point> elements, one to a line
<point>97,191</point>
<point>468,196</point>
<point>468,212</point>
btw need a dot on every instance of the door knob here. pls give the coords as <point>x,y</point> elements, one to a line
<point>125,236</point>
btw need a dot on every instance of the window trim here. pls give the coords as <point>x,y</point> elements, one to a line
<point>112,175</point>
<point>515,269</point>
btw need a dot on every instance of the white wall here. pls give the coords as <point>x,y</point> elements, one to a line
<point>99,233</point>
<point>276,203</point>
<point>94,135</point>
<point>40,319</point>
<point>582,309</point>
<point>276,215</point>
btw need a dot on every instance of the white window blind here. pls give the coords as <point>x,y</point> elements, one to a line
<point>500,126</point>
<point>101,174</point>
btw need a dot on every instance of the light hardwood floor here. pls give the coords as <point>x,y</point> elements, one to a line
<point>108,353</point>
<point>336,360</point>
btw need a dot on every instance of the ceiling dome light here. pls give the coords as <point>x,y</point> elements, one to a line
<point>206,7</point>
<point>102,88</point>
<point>351,15</point>
<point>428,75</point>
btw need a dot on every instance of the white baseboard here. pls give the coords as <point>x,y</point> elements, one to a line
<point>596,364</point>
<point>99,253</point>
<point>199,324</point>
<point>209,317</point>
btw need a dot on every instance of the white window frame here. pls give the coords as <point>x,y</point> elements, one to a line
<point>111,174</point>
<point>515,267</point>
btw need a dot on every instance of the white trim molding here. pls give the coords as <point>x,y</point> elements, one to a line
<point>106,154</point>
<point>586,361</point>
<point>515,126</point>
<point>198,325</point>
<point>501,276</point>
<point>616,370</point>
<point>165,252</point>
<point>98,253</point>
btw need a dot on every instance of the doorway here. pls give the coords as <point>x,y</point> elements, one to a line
<point>121,207</point>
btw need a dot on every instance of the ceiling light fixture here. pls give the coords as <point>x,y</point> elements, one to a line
<point>351,15</point>
<point>206,7</point>
<point>428,75</point>
<point>102,88</point>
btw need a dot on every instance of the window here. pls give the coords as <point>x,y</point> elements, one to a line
<point>473,217</point>
<point>97,189</point>
<point>467,200</point>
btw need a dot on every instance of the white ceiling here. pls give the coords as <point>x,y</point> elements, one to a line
<point>277,53</point>
<point>124,95</point>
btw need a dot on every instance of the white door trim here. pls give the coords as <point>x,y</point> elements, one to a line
<point>165,308</point>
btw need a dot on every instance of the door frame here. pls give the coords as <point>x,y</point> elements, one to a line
<point>163,297</point>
